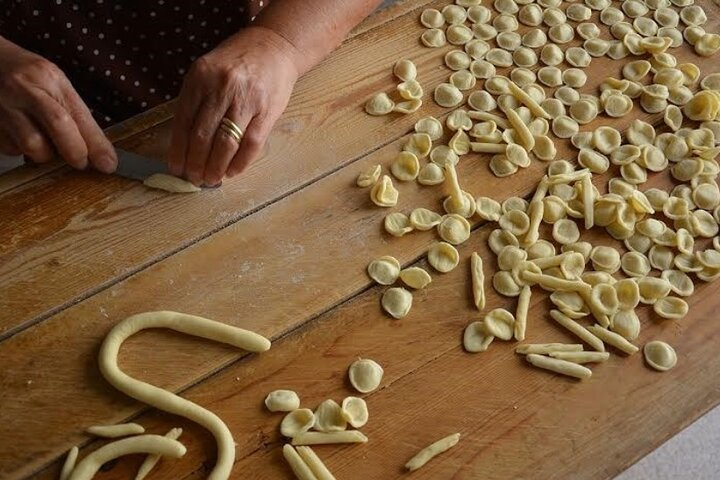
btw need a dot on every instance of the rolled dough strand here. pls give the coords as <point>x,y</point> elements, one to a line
<point>316,465</point>
<point>525,136</point>
<point>88,466</point>
<point>69,464</point>
<point>299,467</point>
<point>321,438</point>
<point>167,401</point>
<point>456,193</point>
<point>152,459</point>
<point>115,431</point>
<point>523,97</point>
<point>427,453</point>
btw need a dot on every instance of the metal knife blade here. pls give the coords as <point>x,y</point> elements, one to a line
<point>134,166</point>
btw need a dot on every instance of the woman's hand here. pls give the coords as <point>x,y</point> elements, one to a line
<point>43,116</point>
<point>248,79</point>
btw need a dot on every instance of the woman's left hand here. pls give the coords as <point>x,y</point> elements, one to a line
<point>248,79</point>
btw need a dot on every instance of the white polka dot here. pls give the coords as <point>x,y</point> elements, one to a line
<point>168,97</point>
<point>178,30</point>
<point>75,7</point>
<point>46,35</point>
<point>111,56</point>
<point>109,21</point>
<point>215,10</point>
<point>181,71</point>
<point>91,68</point>
<point>152,90</point>
<point>130,99</point>
<point>96,52</point>
<point>260,3</point>
<point>101,36</point>
<point>68,25</point>
<point>128,62</point>
<point>107,119</point>
<point>253,18</point>
<point>35,13</point>
<point>176,8</point>
<point>152,13</point>
<point>144,69</point>
<point>62,41</point>
<point>80,48</point>
<point>203,23</point>
<point>136,83</point>
<point>190,16</point>
<point>107,73</point>
<point>122,77</point>
<point>143,104</point>
<point>84,30</point>
<point>59,2</point>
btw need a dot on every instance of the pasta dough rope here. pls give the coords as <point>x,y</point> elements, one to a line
<point>559,366</point>
<point>316,465</point>
<point>153,444</point>
<point>167,401</point>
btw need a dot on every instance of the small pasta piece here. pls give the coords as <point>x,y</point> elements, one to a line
<point>559,366</point>
<point>397,224</point>
<point>433,38</point>
<point>581,357</point>
<point>635,264</point>
<point>564,126</point>
<point>614,339</point>
<point>652,289</point>
<point>406,166</point>
<point>672,308</point>
<point>432,18</point>
<point>606,139</point>
<point>547,348</point>
<point>297,464</point>
<point>329,417</point>
<point>297,422</point>
<point>476,338</point>
<point>454,229</point>
<point>458,34</point>
<point>454,14</point>
<point>423,219</point>
<point>628,293</point>
<point>282,401</point>
<point>680,283</point>
<point>551,55</point>
<point>432,450</point>
<point>318,468</point>
<point>397,302</point>
<point>448,95</point>
<point>415,277</point>
<point>478,280</point>
<point>578,330</point>
<point>431,174</point>
<point>660,355</point>
<point>385,270</point>
<point>565,231</point>
<point>521,313</point>
<point>365,375</point>
<point>323,438</point>
<point>500,323</point>
<point>431,126</point>
<point>369,177</point>
<point>379,104</point>
<point>383,193</point>
<point>443,257</point>
<point>626,323</point>
<point>577,57</point>
<point>405,70</point>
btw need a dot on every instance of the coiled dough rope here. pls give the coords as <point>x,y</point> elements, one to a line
<point>167,401</point>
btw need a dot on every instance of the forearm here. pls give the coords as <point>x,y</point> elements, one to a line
<point>314,28</point>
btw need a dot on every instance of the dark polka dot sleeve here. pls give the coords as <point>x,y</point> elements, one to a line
<point>123,56</point>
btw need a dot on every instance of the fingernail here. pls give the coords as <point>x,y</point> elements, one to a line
<point>106,164</point>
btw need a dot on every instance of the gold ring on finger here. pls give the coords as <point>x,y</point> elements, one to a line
<point>230,132</point>
<point>233,126</point>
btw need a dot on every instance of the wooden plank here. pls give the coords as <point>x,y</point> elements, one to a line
<point>100,214</point>
<point>163,112</point>
<point>204,279</point>
<point>516,422</point>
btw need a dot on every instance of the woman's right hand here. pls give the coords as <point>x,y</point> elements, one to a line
<point>42,116</point>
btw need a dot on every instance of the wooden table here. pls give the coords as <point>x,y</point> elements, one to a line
<point>282,251</point>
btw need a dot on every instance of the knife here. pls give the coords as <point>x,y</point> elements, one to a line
<point>136,167</point>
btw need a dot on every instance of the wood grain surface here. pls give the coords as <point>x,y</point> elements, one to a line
<point>282,251</point>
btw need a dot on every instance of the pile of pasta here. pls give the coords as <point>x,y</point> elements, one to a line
<point>513,117</point>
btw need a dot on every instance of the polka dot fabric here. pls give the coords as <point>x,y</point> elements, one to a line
<point>124,56</point>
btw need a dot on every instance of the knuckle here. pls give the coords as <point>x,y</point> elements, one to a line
<point>32,144</point>
<point>254,140</point>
